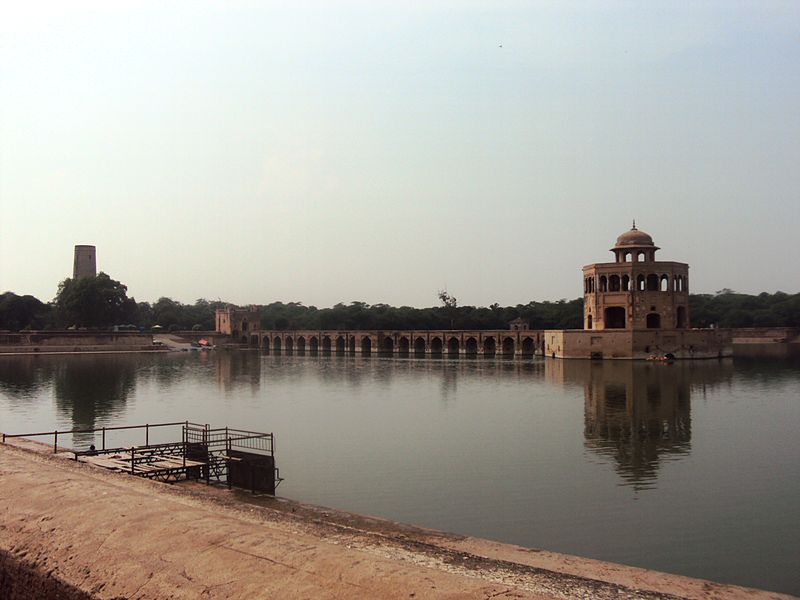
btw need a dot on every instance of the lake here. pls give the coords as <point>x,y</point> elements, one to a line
<point>690,468</point>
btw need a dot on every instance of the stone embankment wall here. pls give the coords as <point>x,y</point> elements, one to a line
<point>74,341</point>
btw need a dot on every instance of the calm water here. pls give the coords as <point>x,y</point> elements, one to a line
<point>691,468</point>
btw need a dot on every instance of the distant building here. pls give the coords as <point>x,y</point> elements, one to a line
<point>85,262</point>
<point>636,307</point>
<point>519,324</point>
<point>238,323</point>
<point>636,291</point>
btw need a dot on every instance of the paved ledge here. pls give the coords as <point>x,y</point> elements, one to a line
<point>70,530</point>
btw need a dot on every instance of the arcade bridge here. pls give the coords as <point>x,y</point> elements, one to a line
<point>520,342</point>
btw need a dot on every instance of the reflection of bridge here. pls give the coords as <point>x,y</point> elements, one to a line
<point>411,343</point>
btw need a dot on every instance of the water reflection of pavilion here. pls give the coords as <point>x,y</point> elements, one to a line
<point>638,414</point>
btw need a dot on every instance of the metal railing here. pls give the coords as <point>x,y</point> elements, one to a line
<point>103,430</point>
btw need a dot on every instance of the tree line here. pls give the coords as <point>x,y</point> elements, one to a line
<point>103,303</point>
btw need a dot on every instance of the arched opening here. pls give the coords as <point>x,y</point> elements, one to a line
<point>664,283</point>
<point>613,283</point>
<point>588,321</point>
<point>527,346</point>
<point>603,283</point>
<point>289,343</point>
<point>314,344</point>
<point>471,346</point>
<point>626,257</point>
<point>489,346</point>
<point>508,346</point>
<point>352,345</point>
<point>340,344</point>
<point>419,345</point>
<point>366,345</point>
<point>403,345</point>
<point>254,340</point>
<point>640,283</point>
<point>641,257</point>
<point>452,346</point>
<point>614,317</point>
<point>626,283</point>
<point>654,321</point>
<point>301,345</point>
<point>276,344</point>
<point>265,344</point>
<point>436,345</point>
<point>652,282</point>
<point>326,343</point>
<point>681,317</point>
<point>387,345</point>
<point>684,284</point>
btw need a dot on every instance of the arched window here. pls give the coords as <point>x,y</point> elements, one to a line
<point>640,282</point>
<point>603,283</point>
<point>626,283</point>
<point>641,257</point>
<point>681,318</point>
<point>613,283</point>
<point>664,283</point>
<point>589,322</point>
<point>614,317</point>
<point>654,321</point>
<point>652,282</point>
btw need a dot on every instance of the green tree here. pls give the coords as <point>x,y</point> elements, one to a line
<point>23,312</point>
<point>94,302</point>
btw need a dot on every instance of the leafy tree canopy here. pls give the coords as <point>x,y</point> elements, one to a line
<point>94,302</point>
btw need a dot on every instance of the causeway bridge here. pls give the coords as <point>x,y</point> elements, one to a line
<point>452,343</point>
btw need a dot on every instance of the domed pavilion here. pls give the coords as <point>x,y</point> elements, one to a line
<point>636,291</point>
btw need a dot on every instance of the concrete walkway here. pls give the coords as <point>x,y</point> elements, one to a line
<point>72,530</point>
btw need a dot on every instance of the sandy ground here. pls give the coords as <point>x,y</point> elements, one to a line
<point>117,536</point>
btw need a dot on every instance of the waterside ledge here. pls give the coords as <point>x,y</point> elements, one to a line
<point>69,530</point>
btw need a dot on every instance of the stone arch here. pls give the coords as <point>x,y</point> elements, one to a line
<point>265,344</point>
<point>640,283</point>
<point>453,346</point>
<point>613,283</point>
<point>419,345</point>
<point>614,317</point>
<point>508,346</point>
<point>366,345</point>
<point>603,283</point>
<point>403,345</point>
<point>641,257</point>
<point>626,283</point>
<point>528,345</point>
<point>301,344</point>
<point>387,345</point>
<point>276,343</point>
<point>680,318</point>
<point>340,343</point>
<point>326,343</point>
<point>652,282</point>
<point>352,344</point>
<point>664,283</point>
<point>489,346</point>
<point>653,321</point>
<point>471,346</point>
<point>289,343</point>
<point>313,343</point>
<point>436,345</point>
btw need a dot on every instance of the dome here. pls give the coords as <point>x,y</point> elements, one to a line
<point>634,237</point>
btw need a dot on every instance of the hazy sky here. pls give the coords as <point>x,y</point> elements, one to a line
<point>379,151</point>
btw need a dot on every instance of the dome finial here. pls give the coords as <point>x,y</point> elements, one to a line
<point>634,224</point>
